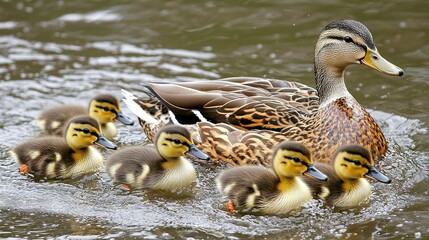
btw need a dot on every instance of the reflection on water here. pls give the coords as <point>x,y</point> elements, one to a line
<point>67,52</point>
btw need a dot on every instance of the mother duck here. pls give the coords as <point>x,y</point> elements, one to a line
<point>323,118</point>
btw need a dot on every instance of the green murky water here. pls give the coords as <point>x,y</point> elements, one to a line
<point>66,51</point>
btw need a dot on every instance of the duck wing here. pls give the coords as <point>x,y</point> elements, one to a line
<point>247,103</point>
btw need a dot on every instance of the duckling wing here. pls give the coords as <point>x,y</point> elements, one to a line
<point>138,166</point>
<point>247,103</point>
<point>326,190</point>
<point>53,120</point>
<point>45,156</point>
<point>247,186</point>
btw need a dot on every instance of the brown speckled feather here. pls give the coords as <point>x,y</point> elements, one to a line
<point>246,103</point>
<point>151,105</point>
<point>235,146</point>
<point>157,110</point>
<point>322,119</point>
<point>343,122</point>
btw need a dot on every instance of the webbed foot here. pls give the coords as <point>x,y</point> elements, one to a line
<point>23,169</point>
<point>230,206</point>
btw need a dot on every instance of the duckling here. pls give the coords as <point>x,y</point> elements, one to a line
<point>67,156</point>
<point>104,108</point>
<point>347,186</point>
<point>163,167</point>
<point>273,191</point>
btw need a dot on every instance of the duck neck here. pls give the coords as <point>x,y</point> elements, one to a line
<point>169,163</point>
<point>285,183</point>
<point>330,83</point>
<point>77,146</point>
<point>349,184</point>
<point>109,130</point>
<point>80,149</point>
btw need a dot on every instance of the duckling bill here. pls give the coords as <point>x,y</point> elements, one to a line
<point>272,191</point>
<point>347,186</point>
<point>161,167</point>
<point>71,155</point>
<point>104,108</point>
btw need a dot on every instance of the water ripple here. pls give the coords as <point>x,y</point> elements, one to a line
<point>78,54</point>
<point>99,16</point>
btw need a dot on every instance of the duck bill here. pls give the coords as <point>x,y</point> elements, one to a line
<point>194,151</point>
<point>374,60</point>
<point>103,142</point>
<point>314,173</point>
<point>124,119</point>
<point>374,174</point>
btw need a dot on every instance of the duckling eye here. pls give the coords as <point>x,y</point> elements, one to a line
<point>176,141</point>
<point>348,39</point>
<point>357,162</point>
<point>106,109</point>
<point>295,159</point>
<point>86,131</point>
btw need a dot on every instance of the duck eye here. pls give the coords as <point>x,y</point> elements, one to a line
<point>297,160</point>
<point>357,162</point>
<point>106,109</point>
<point>86,131</point>
<point>177,141</point>
<point>348,39</point>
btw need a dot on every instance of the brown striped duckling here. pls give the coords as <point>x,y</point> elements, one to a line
<point>161,167</point>
<point>73,154</point>
<point>347,186</point>
<point>104,108</point>
<point>273,191</point>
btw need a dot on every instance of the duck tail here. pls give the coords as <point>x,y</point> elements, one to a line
<point>130,101</point>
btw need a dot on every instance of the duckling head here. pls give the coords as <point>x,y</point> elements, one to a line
<point>346,42</point>
<point>174,141</point>
<point>105,108</point>
<point>84,131</point>
<point>292,159</point>
<point>353,162</point>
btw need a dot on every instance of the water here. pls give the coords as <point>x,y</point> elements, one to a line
<point>66,52</point>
